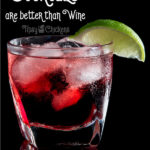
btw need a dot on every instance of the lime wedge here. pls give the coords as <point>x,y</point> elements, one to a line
<point>126,42</point>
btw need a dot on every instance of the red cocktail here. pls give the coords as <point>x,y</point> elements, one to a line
<point>60,89</point>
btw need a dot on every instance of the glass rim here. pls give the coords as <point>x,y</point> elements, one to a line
<point>10,44</point>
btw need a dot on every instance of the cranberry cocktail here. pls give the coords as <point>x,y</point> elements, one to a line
<point>60,89</point>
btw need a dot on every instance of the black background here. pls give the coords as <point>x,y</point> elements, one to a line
<point>127,123</point>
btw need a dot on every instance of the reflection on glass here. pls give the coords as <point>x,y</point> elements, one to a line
<point>26,146</point>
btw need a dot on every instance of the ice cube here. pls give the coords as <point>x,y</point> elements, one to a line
<point>50,45</point>
<point>67,98</point>
<point>46,45</point>
<point>50,49</point>
<point>94,50</point>
<point>46,52</point>
<point>31,73</point>
<point>91,52</point>
<point>84,71</point>
<point>83,52</point>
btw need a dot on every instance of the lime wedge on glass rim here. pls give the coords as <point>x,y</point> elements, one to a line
<point>126,43</point>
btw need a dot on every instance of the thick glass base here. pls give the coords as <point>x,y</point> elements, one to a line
<point>42,137</point>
